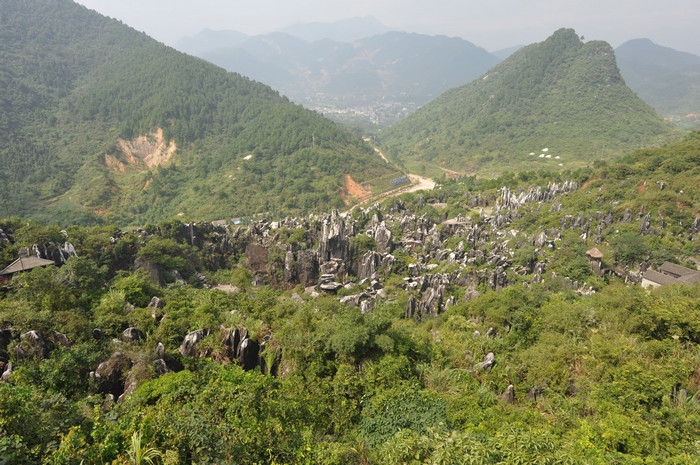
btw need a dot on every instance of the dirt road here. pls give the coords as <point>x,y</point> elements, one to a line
<point>420,184</point>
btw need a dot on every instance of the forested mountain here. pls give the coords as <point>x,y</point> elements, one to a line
<point>561,94</point>
<point>665,78</point>
<point>491,321</point>
<point>102,122</point>
<point>380,78</point>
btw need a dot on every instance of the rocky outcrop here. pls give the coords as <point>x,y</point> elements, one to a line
<point>508,395</point>
<point>110,375</point>
<point>6,373</point>
<point>335,238</point>
<point>248,354</point>
<point>33,345</point>
<point>488,362</point>
<point>189,344</point>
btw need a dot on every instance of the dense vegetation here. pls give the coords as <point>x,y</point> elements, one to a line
<point>76,86</point>
<point>561,94</point>
<point>613,375</point>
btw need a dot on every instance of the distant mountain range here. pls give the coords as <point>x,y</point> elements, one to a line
<point>381,78</point>
<point>561,102</point>
<point>358,71</point>
<point>665,78</point>
<point>100,122</point>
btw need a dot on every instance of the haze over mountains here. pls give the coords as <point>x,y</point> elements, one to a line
<point>381,78</point>
<point>358,71</point>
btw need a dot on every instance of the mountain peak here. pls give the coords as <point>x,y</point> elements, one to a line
<point>559,93</point>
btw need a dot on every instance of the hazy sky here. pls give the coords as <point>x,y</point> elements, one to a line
<point>492,24</point>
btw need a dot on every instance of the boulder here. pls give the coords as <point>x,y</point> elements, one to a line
<point>160,367</point>
<point>534,393</point>
<point>488,362</point>
<point>59,338</point>
<point>132,334</point>
<point>33,344</point>
<point>508,395</point>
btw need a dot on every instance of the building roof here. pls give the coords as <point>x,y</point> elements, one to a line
<point>690,278</point>
<point>659,278</point>
<point>25,264</point>
<point>670,273</point>
<point>677,270</point>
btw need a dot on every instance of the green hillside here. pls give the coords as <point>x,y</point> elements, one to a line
<point>561,94</point>
<point>100,122</point>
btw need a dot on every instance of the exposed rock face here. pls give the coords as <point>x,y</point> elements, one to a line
<point>383,238</point>
<point>232,339</point>
<point>142,264</point>
<point>498,279</point>
<point>368,265</point>
<point>308,267</point>
<point>335,239</point>
<point>256,258</point>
